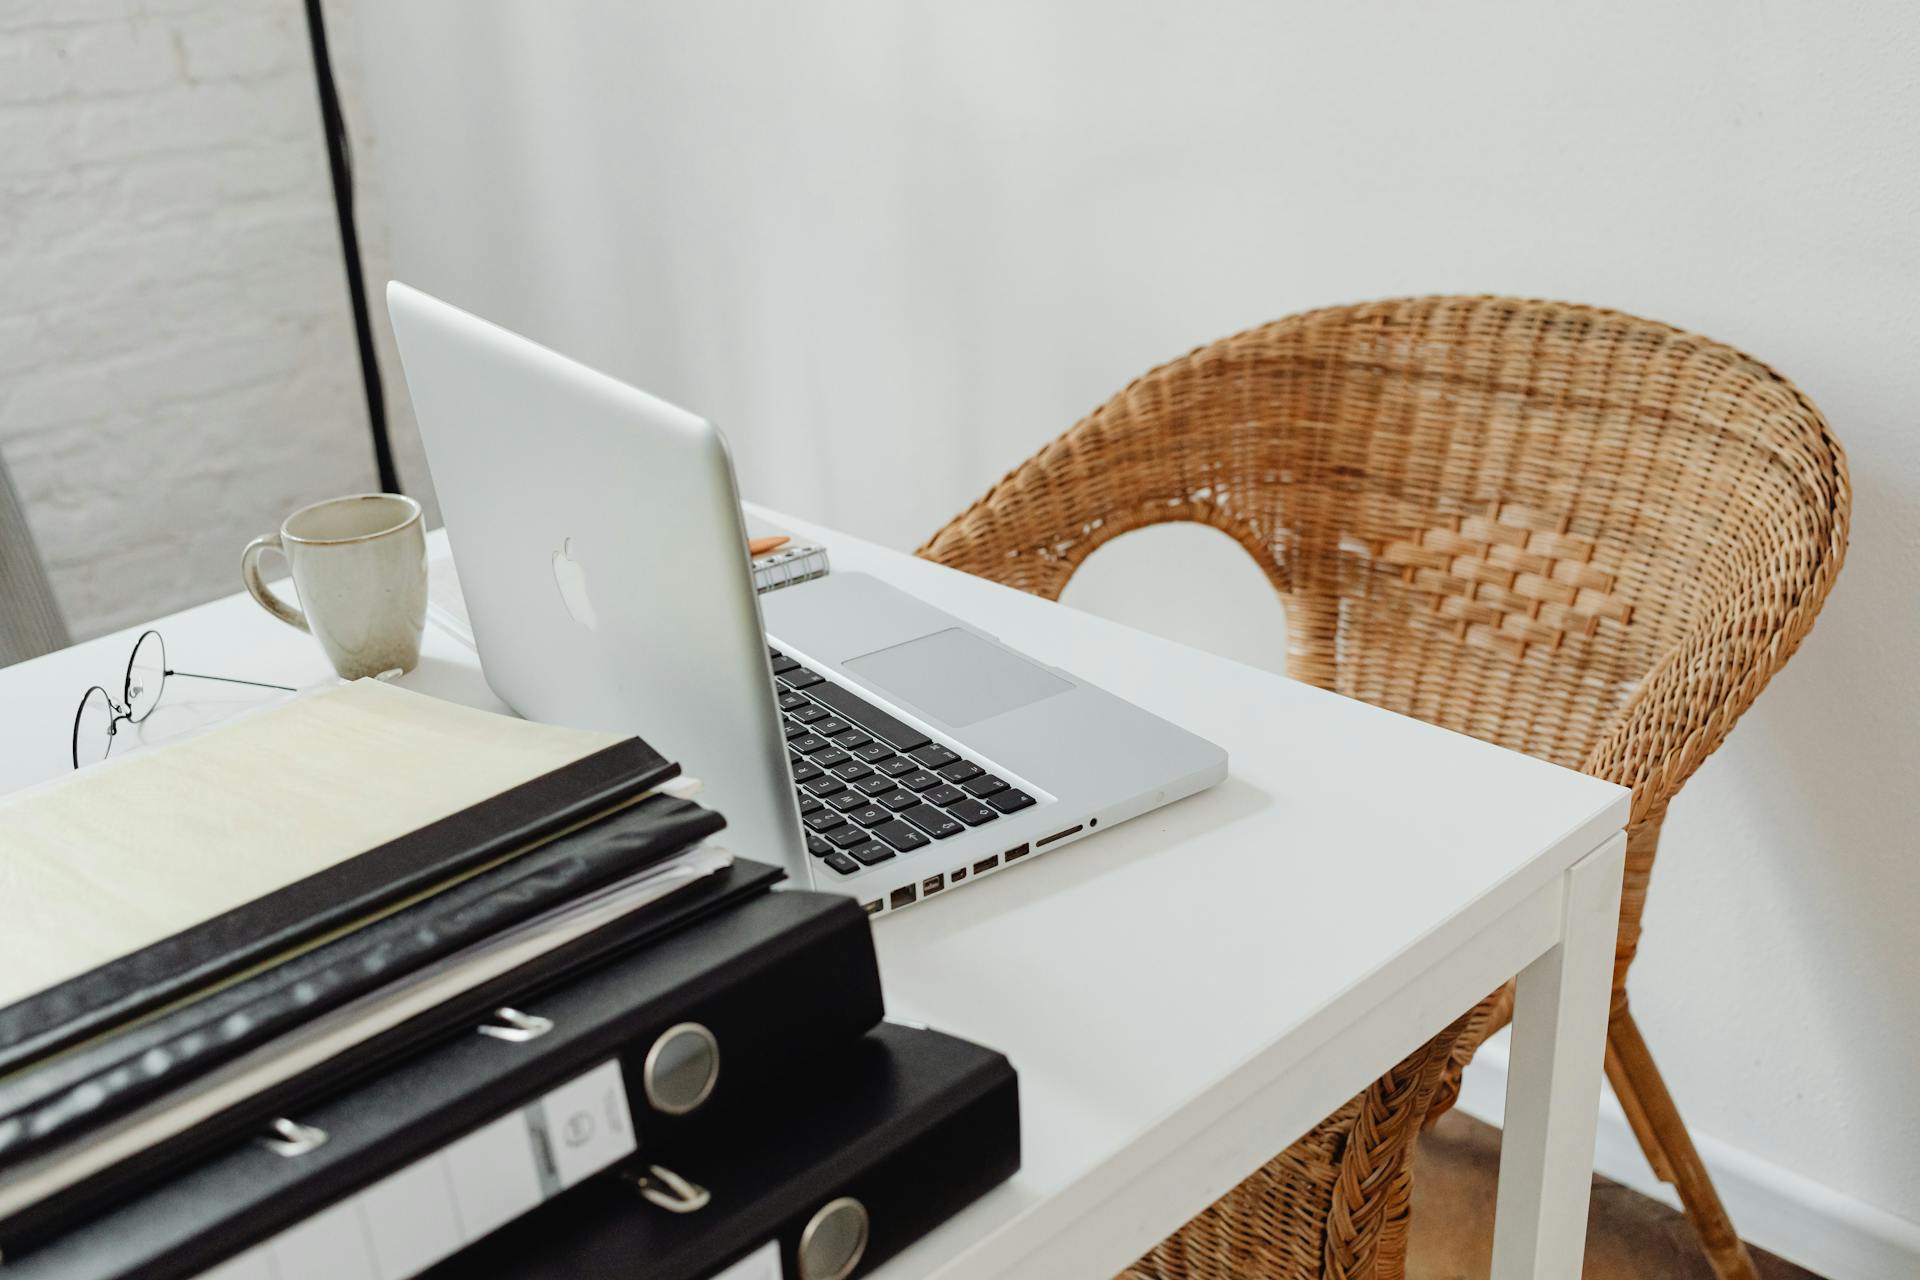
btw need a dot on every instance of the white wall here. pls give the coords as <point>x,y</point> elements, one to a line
<point>177,366</point>
<point>896,247</point>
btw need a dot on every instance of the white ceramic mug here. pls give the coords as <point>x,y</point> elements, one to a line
<point>360,569</point>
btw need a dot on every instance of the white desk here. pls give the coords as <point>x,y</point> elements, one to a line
<point>1186,994</point>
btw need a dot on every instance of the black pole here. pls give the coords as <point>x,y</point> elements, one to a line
<point>340,160</point>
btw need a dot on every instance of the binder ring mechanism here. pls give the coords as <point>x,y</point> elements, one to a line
<point>515,1027</point>
<point>667,1189</point>
<point>290,1138</point>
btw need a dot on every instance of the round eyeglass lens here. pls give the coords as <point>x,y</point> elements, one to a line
<point>146,672</point>
<point>93,728</point>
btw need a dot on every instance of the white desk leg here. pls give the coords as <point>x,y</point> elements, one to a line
<point>1553,1081</point>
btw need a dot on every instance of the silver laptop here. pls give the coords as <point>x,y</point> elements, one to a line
<point>870,742</point>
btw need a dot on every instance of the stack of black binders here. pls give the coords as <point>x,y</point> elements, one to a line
<point>557,1032</point>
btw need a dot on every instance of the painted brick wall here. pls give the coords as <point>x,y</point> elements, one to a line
<point>177,366</point>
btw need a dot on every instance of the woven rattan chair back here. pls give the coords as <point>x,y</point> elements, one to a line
<point>1576,533</point>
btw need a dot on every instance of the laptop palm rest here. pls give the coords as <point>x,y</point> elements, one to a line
<point>956,677</point>
<point>905,649</point>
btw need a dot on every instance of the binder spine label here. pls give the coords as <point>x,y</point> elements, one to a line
<point>439,1204</point>
<point>762,1264</point>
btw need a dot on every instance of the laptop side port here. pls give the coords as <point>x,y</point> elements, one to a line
<point>932,885</point>
<point>985,865</point>
<point>1016,853</point>
<point>956,875</point>
<point>905,894</point>
<point>1073,830</point>
<point>873,908</point>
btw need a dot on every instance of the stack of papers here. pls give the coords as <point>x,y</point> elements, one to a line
<point>258,908</point>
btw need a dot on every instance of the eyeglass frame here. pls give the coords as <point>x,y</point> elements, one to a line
<point>123,710</point>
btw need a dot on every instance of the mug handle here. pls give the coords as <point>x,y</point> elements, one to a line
<point>257,587</point>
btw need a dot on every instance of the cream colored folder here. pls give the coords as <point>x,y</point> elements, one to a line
<point>128,852</point>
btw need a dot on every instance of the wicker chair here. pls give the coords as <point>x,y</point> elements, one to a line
<point>1572,532</point>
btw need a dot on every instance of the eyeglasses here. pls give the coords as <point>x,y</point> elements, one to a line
<point>99,718</point>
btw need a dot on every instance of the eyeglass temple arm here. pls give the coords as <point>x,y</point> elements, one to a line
<point>258,684</point>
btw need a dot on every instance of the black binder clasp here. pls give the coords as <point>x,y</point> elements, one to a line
<point>515,1027</point>
<point>668,1190</point>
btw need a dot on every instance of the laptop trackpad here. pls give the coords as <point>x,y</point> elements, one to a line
<point>956,677</point>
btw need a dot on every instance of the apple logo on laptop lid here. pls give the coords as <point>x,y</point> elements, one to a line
<point>571,577</point>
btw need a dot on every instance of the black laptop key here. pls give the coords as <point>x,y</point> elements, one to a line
<point>824,786</point>
<point>874,752</point>
<point>830,726</point>
<point>808,743</point>
<point>828,759</point>
<point>1010,800</point>
<point>901,835</point>
<point>823,821</point>
<point>807,714</point>
<point>847,837</point>
<point>845,800</point>
<point>842,863</point>
<point>972,812</point>
<point>898,800</point>
<point>919,780</point>
<point>818,846</point>
<point>960,771</point>
<point>852,771</point>
<point>943,795</point>
<point>870,815</point>
<point>932,821</point>
<point>783,664</point>
<point>790,701</point>
<point>795,729</point>
<point>871,852</point>
<point>891,730</point>
<point>894,766</point>
<point>805,771</point>
<point>874,785</point>
<point>934,756</point>
<point>853,739</point>
<point>807,805</point>
<point>984,785</point>
<point>802,679</point>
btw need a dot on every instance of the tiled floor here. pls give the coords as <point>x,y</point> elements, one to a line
<point>1629,1237</point>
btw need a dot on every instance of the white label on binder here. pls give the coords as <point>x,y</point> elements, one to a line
<point>251,1265</point>
<point>494,1180</point>
<point>330,1244</point>
<point>410,1218</point>
<point>413,1218</point>
<point>588,1125</point>
<point>762,1264</point>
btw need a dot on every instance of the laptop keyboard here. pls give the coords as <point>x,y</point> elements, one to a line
<point>870,785</point>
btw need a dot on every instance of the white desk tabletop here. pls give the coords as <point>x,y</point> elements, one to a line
<point>1182,995</point>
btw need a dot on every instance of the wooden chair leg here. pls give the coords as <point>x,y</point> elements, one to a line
<point>1663,1136</point>
<point>1637,1117</point>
